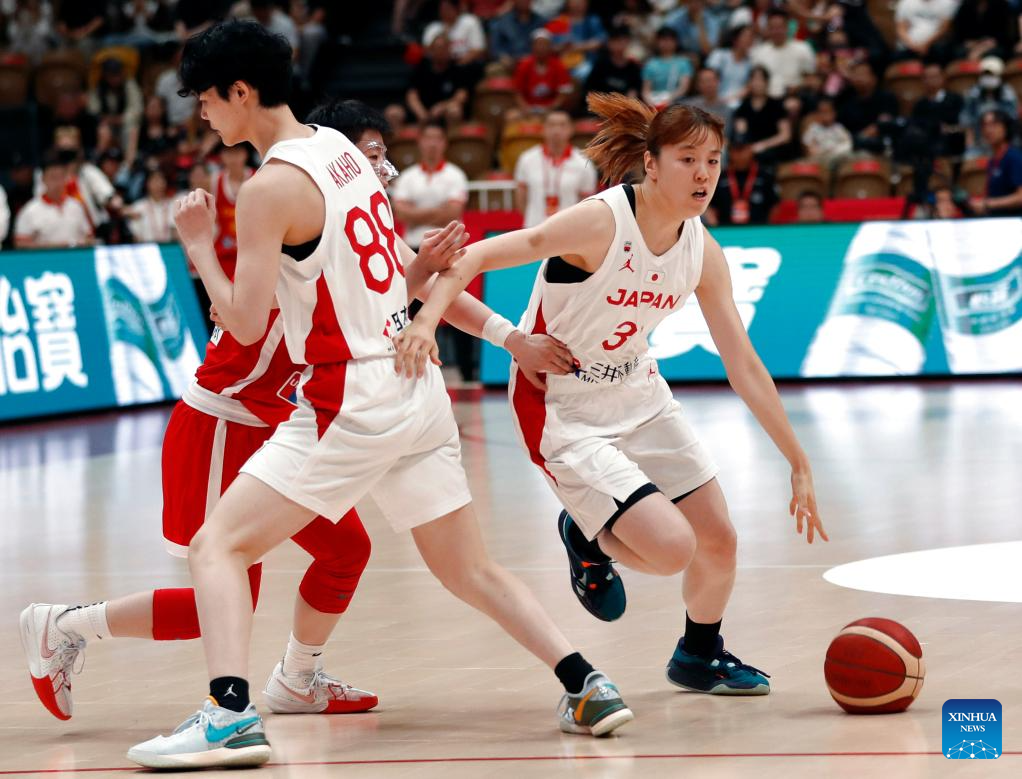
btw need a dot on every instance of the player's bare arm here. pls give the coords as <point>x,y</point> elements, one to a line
<point>439,249</point>
<point>752,382</point>
<point>278,205</point>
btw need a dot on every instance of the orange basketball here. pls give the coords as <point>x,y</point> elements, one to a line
<point>874,666</point>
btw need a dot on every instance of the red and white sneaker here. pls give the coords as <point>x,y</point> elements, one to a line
<point>51,655</point>
<point>315,693</point>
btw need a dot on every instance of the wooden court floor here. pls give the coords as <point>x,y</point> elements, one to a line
<point>899,468</point>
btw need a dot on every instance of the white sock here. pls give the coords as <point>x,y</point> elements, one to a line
<point>87,621</point>
<point>301,659</point>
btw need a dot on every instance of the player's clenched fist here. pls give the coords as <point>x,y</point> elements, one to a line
<point>194,217</point>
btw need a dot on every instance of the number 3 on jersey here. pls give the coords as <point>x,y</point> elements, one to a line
<point>377,222</point>
<point>624,331</point>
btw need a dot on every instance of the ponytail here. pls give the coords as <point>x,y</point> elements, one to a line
<point>619,146</point>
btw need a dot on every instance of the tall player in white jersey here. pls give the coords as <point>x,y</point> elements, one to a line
<point>636,484</point>
<point>315,231</point>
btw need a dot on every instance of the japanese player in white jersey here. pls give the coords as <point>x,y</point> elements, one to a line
<point>636,484</point>
<point>316,234</point>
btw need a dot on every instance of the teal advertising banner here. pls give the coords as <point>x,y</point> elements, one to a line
<point>95,328</point>
<point>829,300</point>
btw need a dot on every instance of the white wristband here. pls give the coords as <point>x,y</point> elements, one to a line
<point>497,329</point>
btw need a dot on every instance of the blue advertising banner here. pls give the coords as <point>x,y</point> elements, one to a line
<point>876,299</point>
<point>94,328</point>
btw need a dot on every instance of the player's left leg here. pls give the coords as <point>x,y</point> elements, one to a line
<point>700,661</point>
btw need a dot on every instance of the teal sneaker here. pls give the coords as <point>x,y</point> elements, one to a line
<point>721,674</point>
<point>596,711</point>
<point>597,586</point>
<point>212,737</point>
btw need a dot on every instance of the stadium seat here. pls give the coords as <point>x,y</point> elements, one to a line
<point>493,98</point>
<point>14,81</point>
<point>127,56</point>
<point>863,178</point>
<point>403,148</point>
<point>1013,76</point>
<point>517,137</point>
<point>905,80</point>
<point>960,75</point>
<point>469,148</point>
<point>793,178</point>
<point>942,174</point>
<point>973,178</point>
<point>487,200</point>
<point>585,131</point>
<point>58,72</point>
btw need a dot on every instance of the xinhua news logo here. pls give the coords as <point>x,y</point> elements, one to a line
<point>971,729</point>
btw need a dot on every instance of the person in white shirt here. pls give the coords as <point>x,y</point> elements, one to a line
<point>826,141</point>
<point>152,218</point>
<point>464,30</point>
<point>922,24</point>
<point>552,176</point>
<point>786,59</point>
<point>53,218</point>
<point>5,215</point>
<point>432,192</point>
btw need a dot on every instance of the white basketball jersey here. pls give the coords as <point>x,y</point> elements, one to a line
<point>348,298</point>
<point>606,319</point>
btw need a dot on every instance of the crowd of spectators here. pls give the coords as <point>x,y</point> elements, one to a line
<point>793,80</point>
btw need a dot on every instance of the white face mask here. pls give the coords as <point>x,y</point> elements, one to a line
<point>376,153</point>
<point>989,81</point>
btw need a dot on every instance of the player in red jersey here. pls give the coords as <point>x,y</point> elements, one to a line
<point>225,185</point>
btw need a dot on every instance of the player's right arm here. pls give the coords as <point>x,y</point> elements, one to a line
<point>264,217</point>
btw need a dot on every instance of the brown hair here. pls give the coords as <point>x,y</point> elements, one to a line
<point>630,128</point>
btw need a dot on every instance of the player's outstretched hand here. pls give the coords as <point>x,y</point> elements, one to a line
<point>442,247</point>
<point>803,505</point>
<point>194,218</point>
<point>539,353</point>
<point>415,344</point>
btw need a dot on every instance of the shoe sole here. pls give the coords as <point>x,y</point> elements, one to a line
<point>42,685</point>
<point>279,705</point>
<point>213,758</point>
<point>604,727</point>
<point>723,689</point>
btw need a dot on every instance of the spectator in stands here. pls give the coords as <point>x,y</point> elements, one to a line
<point>785,59</point>
<point>152,217</point>
<point>432,192</point>
<point>946,205</point>
<point>541,81</point>
<point>81,22</point>
<point>923,29</point>
<point>699,30</point>
<point>990,93</point>
<point>666,75</point>
<point>194,16</point>
<point>643,23</point>
<point>707,96</point>
<point>762,119</point>
<point>85,181</point>
<point>938,114</point>
<point>272,17</point>
<point>439,88</point>
<point>511,33</point>
<point>826,141</point>
<point>168,85</point>
<point>52,218</point>
<point>733,64</point>
<point>116,103</point>
<point>552,176</point>
<point>983,28</point>
<point>836,74</point>
<point>746,192</point>
<point>310,20</point>
<point>579,37</point>
<point>1004,172</point>
<point>157,134</point>
<point>813,15</point>
<point>867,111</point>
<point>70,111</point>
<point>463,29</point>
<point>810,207</point>
<point>30,28</point>
<point>143,23</point>
<point>614,71</point>
<point>859,29</point>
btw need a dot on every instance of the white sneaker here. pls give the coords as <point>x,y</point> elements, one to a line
<point>315,693</point>
<point>212,737</point>
<point>51,655</point>
<point>597,710</point>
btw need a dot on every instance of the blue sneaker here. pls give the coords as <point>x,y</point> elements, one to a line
<point>597,586</point>
<point>212,737</point>
<point>722,674</point>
